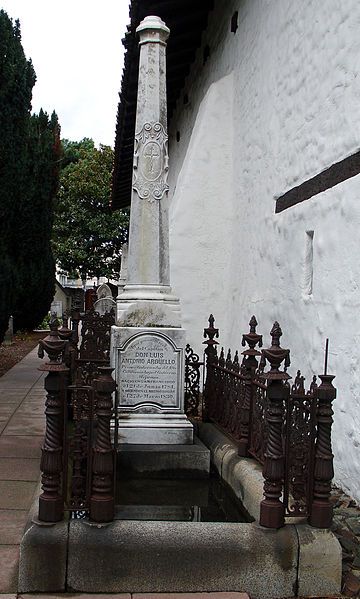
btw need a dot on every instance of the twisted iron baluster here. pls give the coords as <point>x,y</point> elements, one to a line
<point>51,499</point>
<point>102,495</point>
<point>321,509</point>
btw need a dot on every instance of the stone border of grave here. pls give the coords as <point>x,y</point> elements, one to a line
<point>147,556</point>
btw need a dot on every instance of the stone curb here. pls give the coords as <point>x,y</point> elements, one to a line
<point>43,554</point>
<point>243,475</point>
<point>162,557</point>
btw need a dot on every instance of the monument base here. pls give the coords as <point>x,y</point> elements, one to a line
<point>147,305</point>
<point>167,462</point>
<point>157,429</point>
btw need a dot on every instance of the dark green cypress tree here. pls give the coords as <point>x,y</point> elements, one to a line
<point>36,264</point>
<point>17,78</point>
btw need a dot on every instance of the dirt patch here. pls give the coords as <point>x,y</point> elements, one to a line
<point>22,344</point>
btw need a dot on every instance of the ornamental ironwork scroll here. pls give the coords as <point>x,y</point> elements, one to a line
<point>94,350</point>
<point>78,443</point>
<point>151,162</point>
<point>258,422</point>
<point>299,434</point>
<point>193,378</point>
<point>95,335</point>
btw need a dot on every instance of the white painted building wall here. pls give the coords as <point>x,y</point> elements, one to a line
<point>275,104</point>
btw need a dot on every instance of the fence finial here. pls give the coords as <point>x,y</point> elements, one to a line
<point>253,324</point>
<point>252,339</point>
<point>276,355</point>
<point>210,333</point>
<point>276,333</point>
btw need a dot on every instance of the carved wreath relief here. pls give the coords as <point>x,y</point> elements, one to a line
<point>151,162</point>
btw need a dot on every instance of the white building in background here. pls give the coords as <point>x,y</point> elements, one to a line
<point>66,281</point>
<point>264,185</point>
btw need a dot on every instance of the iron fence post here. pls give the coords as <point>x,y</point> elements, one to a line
<point>321,510</point>
<point>102,492</point>
<point>210,333</point>
<point>272,509</point>
<point>51,503</point>
<point>66,335</point>
<point>75,319</point>
<point>250,364</point>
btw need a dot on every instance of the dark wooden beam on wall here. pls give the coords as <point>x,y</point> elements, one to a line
<point>336,173</point>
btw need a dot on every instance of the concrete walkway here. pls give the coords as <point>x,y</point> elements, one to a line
<point>22,426</point>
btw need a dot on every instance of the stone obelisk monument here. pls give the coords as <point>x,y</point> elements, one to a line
<point>148,341</point>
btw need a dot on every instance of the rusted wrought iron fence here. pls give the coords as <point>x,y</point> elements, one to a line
<point>286,428</point>
<point>78,456</point>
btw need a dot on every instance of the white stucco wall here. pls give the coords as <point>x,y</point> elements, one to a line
<point>275,104</point>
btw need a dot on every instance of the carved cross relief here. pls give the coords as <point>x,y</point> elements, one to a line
<point>151,162</point>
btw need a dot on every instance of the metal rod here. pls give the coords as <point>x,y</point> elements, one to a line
<point>326,355</point>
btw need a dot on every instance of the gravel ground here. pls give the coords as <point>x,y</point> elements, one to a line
<point>21,345</point>
<point>346,526</point>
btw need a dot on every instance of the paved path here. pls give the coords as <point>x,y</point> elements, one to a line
<point>22,426</point>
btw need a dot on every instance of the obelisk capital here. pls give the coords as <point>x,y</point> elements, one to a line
<point>153,29</point>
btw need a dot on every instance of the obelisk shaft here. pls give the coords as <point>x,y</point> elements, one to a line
<point>147,299</point>
<point>148,261</point>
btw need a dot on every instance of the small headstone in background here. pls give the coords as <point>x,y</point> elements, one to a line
<point>103,291</point>
<point>105,302</point>
<point>9,335</point>
<point>57,308</point>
